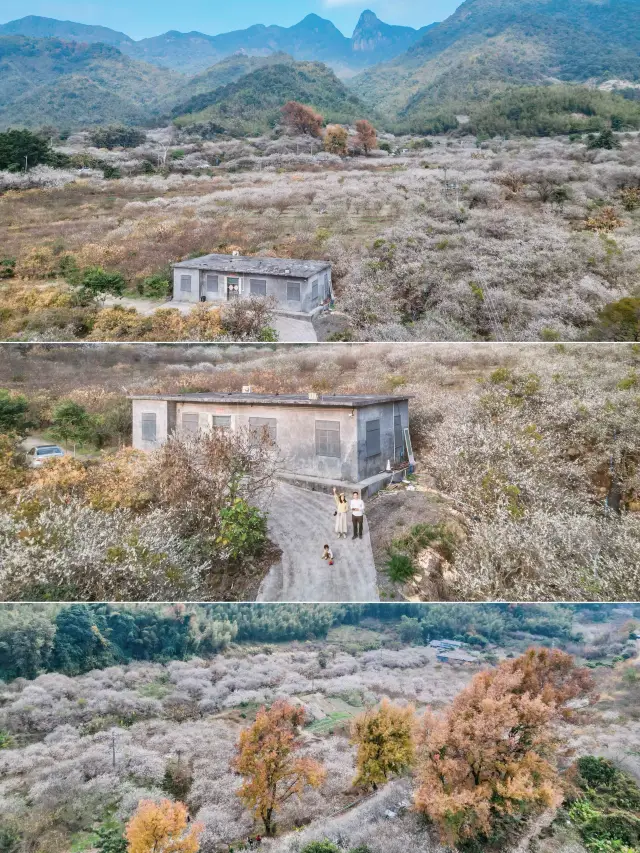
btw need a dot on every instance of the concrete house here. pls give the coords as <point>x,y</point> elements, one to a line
<point>322,440</point>
<point>298,286</point>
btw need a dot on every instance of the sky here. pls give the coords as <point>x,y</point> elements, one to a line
<point>142,18</point>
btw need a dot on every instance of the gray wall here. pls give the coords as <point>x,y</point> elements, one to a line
<point>163,427</point>
<point>276,287</point>
<point>296,432</point>
<point>370,466</point>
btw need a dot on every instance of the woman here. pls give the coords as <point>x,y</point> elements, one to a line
<point>342,508</point>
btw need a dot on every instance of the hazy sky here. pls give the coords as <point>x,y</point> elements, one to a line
<point>140,18</point>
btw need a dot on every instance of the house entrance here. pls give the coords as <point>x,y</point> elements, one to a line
<point>233,288</point>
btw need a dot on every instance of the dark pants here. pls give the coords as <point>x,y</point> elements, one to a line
<point>357,525</point>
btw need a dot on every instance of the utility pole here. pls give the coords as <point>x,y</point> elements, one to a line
<point>113,748</point>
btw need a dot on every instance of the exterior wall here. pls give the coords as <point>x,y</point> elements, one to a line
<point>276,287</point>
<point>178,295</point>
<point>296,434</point>
<point>370,466</point>
<point>160,408</point>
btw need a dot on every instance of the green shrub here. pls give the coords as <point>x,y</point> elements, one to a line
<point>155,287</point>
<point>100,282</point>
<point>7,267</point>
<point>320,847</point>
<point>243,529</point>
<point>111,837</point>
<point>400,568</point>
<point>117,136</point>
<point>6,740</point>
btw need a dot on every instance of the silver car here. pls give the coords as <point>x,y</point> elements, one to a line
<point>37,456</point>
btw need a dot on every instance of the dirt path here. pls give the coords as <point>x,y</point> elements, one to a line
<point>290,330</point>
<point>300,522</point>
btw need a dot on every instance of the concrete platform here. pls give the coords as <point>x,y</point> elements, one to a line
<point>367,487</point>
<point>300,523</point>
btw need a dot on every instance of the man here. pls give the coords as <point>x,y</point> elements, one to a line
<point>357,515</point>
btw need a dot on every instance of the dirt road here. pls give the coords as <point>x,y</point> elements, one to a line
<point>300,523</point>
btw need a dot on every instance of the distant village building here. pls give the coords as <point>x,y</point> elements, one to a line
<point>452,651</point>
<point>297,286</point>
<point>322,440</point>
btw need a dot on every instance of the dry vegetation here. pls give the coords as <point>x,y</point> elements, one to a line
<point>531,450</point>
<point>505,240</point>
<point>94,745</point>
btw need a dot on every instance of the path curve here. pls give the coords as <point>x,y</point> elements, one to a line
<point>300,522</point>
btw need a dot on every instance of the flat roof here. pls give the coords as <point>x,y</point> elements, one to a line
<point>286,267</point>
<point>336,401</point>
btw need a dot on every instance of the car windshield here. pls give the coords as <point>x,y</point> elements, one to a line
<point>49,451</point>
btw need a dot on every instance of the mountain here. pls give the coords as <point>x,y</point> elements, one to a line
<point>313,39</point>
<point>39,28</point>
<point>383,41</point>
<point>488,45</point>
<point>252,104</point>
<point>70,85</point>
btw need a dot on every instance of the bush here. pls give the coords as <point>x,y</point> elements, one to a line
<point>243,529</point>
<point>7,267</point>
<point>100,282</point>
<point>118,136</point>
<point>400,568</point>
<point>619,321</point>
<point>155,287</point>
<point>22,149</point>
<point>320,847</point>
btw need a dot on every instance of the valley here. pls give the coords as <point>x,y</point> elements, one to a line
<point>82,748</point>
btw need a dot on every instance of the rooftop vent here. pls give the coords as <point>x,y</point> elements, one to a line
<point>247,389</point>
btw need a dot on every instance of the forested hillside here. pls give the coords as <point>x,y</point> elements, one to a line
<point>487,45</point>
<point>69,84</point>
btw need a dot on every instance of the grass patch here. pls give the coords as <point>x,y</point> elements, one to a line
<point>329,723</point>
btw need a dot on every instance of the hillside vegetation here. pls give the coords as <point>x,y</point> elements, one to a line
<point>252,104</point>
<point>487,45</point>
<point>69,84</point>
<point>80,753</point>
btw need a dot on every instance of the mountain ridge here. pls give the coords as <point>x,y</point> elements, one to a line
<point>312,39</point>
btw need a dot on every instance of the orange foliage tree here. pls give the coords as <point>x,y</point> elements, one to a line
<point>384,737</point>
<point>366,136</point>
<point>299,118</point>
<point>336,140</point>
<point>162,828</point>
<point>266,759</point>
<point>492,754</point>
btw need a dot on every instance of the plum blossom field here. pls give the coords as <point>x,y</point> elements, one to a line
<point>522,239</point>
<point>98,743</point>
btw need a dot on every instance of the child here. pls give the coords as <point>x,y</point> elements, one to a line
<point>327,554</point>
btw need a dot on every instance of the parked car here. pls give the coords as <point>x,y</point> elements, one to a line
<point>37,456</point>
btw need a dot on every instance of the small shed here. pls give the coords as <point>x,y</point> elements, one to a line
<point>297,286</point>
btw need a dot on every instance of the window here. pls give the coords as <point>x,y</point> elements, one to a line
<point>327,286</point>
<point>398,438</point>
<point>373,438</point>
<point>221,421</point>
<point>261,425</point>
<point>314,289</point>
<point>328,438</point>
<point>293,291</point>
<point>185,284</point>
<point>212,283</point>
<point>257,287</point>
<point>148,426</point>
<point>190,423</point>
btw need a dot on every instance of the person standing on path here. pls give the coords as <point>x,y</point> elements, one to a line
<point>342,508</point>
<point>357,515</point>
